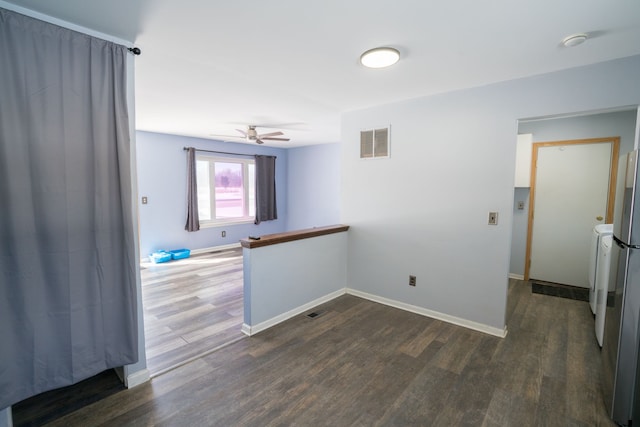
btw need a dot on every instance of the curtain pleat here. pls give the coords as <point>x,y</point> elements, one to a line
<point>67,262</point>
<point>266,209</point>
<point>193,219</point>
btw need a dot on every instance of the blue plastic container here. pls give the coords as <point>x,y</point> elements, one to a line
<point>160,256</point>
<point>180,253</point>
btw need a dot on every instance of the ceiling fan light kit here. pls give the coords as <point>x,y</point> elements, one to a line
<point>380,57</point>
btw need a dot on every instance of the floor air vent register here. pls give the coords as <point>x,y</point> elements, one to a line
<point>315,314</point>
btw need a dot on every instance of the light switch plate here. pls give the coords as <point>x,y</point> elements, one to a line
<point>521,205</point>
<point>144,200</point>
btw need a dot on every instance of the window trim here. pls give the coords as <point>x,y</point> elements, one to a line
<point>245,162</point>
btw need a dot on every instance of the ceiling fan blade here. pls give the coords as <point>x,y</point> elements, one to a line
<point>270,134</point>
<point>276,139</point>
<point>242,132</point>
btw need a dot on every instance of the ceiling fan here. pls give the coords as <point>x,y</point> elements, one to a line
<point>251,134</point>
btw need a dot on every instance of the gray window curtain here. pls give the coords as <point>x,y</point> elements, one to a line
<point>193,220</point>
<point>266,209</point>
<point>67,263</point>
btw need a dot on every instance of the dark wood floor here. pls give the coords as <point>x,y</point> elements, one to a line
<point>363,363</point>
<point>191,306</point>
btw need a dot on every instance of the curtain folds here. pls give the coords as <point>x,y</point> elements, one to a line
<point>193,219</point>
<point>67,262</point>
<point>266,209</point>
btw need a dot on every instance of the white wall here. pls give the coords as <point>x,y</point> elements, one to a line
<point>162,178</point>
<point>285,279</point>
<point>313,185</point>
<point>424,210</point>
<point>136,373</point>
<point>621,123</point>
<point>519,235</point>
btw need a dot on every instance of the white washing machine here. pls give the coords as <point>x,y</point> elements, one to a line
<point>603,287</point>
<point>599,231</point>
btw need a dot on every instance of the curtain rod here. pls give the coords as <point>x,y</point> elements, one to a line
<point>222,152</point>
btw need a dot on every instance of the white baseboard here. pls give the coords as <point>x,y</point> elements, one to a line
<point>516,276</point>
<point>216,248</point>
<point>137,378</point>
<point>252,330</point>
<point>246,329</point>
<point>480,327</point>
<point>205,250</point>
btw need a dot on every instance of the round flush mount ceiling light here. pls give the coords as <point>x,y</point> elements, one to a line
<point>380,57</point>
<point>574,40</point>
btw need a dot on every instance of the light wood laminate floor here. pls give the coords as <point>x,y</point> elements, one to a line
<point>362,363</point>
<point>191,306</point>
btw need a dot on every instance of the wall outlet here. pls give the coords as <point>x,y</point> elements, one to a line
<point>224,233</point>
<point>144,200</point>
<point>493,218</point>
<point>412,280</point>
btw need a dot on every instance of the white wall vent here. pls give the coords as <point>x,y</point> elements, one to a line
<point>374,143</point>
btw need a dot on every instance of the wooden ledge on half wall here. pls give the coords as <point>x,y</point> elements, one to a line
<point>290,236</point>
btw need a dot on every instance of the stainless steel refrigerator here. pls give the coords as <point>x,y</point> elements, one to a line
<point>621,340</point>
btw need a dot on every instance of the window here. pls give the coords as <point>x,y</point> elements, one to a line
<point>226,190</point>
<point>374,143</point>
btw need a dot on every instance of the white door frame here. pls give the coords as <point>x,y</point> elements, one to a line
<point>613,170</point>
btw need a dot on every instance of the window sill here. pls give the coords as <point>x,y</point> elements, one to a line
<point>226,223</point>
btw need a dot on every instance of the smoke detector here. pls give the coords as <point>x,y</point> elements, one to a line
<point>574,40</point>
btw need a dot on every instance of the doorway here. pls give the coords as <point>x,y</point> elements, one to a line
<point>192,307</point>
<point>619,122</point>
<point>572,190</point>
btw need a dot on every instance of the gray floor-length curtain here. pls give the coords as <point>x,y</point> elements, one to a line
<point>67,265</point>
<point>266,209</point>
<point>193,218</point>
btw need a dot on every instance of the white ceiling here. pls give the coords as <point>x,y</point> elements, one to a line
<point>208,66</point>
